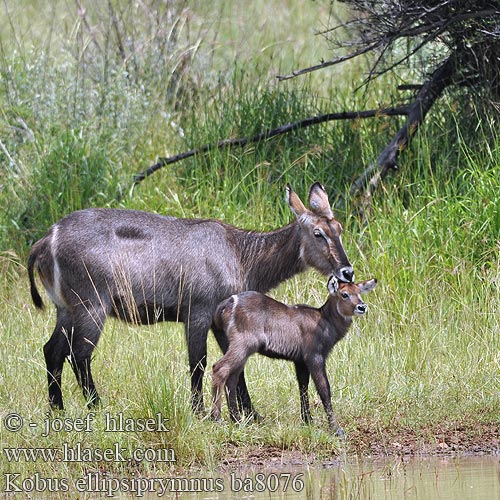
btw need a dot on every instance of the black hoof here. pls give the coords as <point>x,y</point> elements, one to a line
<point>257,417</point>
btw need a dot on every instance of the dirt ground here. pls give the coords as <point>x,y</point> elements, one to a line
<point>478,439</point>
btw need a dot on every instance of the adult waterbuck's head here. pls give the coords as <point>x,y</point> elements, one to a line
<point>322,245</point>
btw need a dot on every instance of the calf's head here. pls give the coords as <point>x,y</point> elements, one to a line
<point>350,302</point>
<point>321,246</point>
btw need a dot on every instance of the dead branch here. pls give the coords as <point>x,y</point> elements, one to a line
<point>429,92</point>
<point>331,62</point>
<point>463,36</point>
<point>268,134</point>
<point>470,32</point>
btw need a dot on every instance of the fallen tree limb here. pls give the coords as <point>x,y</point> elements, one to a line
<point>375,173</point>
<point>429,92</point>
<point>243,141</point>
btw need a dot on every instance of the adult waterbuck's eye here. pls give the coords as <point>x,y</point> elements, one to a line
<point>317,233</point>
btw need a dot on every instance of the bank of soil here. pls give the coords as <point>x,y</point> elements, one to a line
<point>369,442</point>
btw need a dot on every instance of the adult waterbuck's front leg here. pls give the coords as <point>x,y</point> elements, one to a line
<point>196,329</point>
<point>196,338</point>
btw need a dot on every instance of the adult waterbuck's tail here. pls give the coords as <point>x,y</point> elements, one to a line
<point>143,268</point>
<point>35,296</point>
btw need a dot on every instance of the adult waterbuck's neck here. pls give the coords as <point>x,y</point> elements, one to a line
<point>312,240</point>
<point>270,258</point>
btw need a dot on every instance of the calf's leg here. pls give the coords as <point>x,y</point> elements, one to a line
<point>242,395</point>
<point>302,373</point>
<point>231,394</point>
<point>318,373</point>
<point>228,370</point>
<point>220,374</point>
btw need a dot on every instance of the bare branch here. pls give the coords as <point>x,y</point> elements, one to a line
<point>331,62</point>
<point>401,60</point>
<point>379,25</point>
<point>425,98</point>
<point>240,142</point>
<point>424,28</point>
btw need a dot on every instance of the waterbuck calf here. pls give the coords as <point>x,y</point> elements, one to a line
<point>254,322</point>
<point>143,268</point>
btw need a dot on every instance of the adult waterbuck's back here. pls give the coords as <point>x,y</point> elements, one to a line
<point>143,268</point>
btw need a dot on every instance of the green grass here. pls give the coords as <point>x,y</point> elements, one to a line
<point>76,122</point>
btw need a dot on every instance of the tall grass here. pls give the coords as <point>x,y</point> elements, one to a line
<point>77,120</point>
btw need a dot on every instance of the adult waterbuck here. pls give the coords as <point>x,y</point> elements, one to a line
<point>143,268</point>
<point>254,322</point>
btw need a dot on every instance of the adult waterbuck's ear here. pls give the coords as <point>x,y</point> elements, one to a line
<point>295,202</point>
<point>367,286</point>
<point>333,285</point>
<point>318,199</point>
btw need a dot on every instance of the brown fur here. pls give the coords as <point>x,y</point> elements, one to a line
<point>254,322</point>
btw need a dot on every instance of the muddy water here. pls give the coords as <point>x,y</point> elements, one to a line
<point>445,478</point>
<point>474,478</point>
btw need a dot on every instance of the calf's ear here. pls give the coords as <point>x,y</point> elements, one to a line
<point>367,286</point>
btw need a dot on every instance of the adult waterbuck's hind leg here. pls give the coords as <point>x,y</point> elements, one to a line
<point>75,335</point>
<point>88,321</point>
<point>55,351</point>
